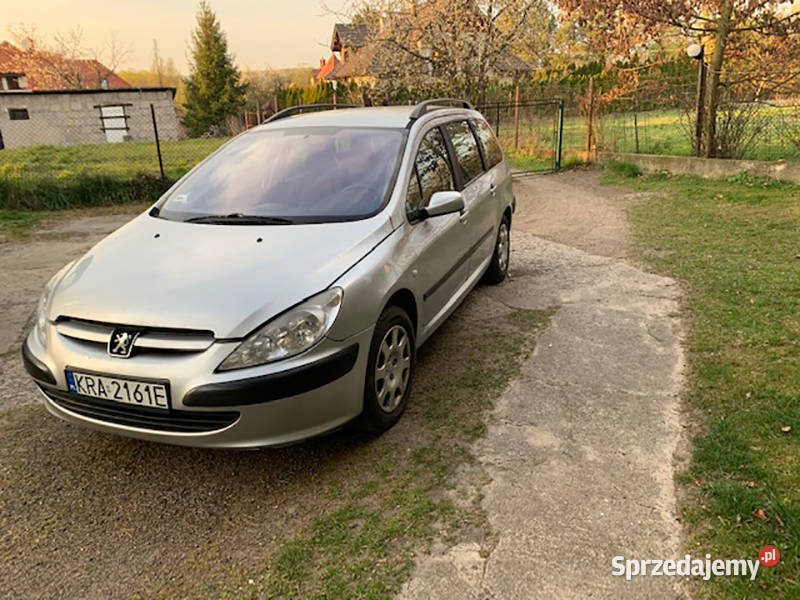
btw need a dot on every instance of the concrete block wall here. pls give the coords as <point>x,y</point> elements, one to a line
<point>70,118</point>
<point>710,168</point>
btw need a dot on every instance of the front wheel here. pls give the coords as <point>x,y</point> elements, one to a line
<point>498,268</point>
<point>390,370</point>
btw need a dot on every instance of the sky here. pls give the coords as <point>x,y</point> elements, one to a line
<point>261,33</point>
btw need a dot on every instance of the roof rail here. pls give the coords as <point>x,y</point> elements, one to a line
<point>423,107</point>
<point>292,110</point>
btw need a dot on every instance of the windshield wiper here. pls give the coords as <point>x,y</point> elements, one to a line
<point>239,219</point>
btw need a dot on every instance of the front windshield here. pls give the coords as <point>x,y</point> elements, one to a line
<point>293,175</point>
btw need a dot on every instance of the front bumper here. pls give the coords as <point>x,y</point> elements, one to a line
<point>274,404</point>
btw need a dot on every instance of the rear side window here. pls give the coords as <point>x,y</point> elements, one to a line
<point>491,148</point>
<point>431,172</point>
<point>467,154</point>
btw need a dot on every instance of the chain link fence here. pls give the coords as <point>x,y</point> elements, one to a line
<point>660,117</point>
<point>137,153</point>
<point>530,132</point>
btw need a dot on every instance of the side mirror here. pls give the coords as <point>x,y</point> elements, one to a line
<point>444,203</point>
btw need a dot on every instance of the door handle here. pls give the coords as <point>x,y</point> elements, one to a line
<point>493,189</point>
<point>464,217</point>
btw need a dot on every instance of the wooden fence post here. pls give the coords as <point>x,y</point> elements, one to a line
<point>591,118</point>
<point>516,118</point>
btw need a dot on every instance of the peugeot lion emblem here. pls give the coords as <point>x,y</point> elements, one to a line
<point>120,344</point>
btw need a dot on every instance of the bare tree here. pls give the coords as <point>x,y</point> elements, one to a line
<point>452,47</point>
<point>64,62</point>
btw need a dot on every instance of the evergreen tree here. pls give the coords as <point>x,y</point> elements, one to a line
<point>213,89</point>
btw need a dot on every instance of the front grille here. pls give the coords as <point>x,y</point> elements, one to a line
<point>151,339</point>
<point>178,421</point>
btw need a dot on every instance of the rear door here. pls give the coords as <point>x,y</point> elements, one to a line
<point>498,178</point>
<point>477,190</point>
<point>438,243</point>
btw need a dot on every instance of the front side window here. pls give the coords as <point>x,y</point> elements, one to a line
<point>303,174</point>
<point>467,154</point>
<point>431,172</point>
<point>491,148</point>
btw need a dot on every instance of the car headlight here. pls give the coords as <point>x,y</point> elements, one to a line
<point>289,334</point>
<point>40,328</point>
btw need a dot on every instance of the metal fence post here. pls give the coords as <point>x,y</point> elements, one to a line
<point>158,143</point>
<point>560,133</point>
<point>497,121</point>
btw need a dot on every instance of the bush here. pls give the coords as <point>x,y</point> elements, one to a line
<point>78,190</point>
<point>623,168</point>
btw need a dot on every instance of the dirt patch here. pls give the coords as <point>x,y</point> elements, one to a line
<point>576,209</point>
<point>90,515</point>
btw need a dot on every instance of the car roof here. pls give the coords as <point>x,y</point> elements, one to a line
<point>395,117</point>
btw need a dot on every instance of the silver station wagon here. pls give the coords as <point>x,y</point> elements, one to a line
<point>281,288</point>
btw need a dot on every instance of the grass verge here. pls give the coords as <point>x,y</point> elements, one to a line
<point>734,245</point>
<point>58,177</point>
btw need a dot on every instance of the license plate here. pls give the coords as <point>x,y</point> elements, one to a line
<point>115,389</point>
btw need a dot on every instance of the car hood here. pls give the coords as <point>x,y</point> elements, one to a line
<point>228,279</point>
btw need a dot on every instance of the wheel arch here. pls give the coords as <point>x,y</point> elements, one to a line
<point>405,299</point>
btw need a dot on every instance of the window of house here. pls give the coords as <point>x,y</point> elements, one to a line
<point>114,120</point>
<point>491,148</point>
<point>467,154</point>
<point>431,172</point>
<point>12,82</point>
<point>18,114</point>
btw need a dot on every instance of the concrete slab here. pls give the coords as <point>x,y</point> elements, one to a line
<point>580,449</point>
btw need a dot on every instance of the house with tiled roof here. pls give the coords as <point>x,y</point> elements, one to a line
<point>363,54</point>
<point>49,99</point>
<point>346,41</point>
<point>39,70</point>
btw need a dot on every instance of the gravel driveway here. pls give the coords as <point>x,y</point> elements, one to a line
<point>579,450</point>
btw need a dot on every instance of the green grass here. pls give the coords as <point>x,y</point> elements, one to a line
<point>776,132</point>
<point>363,545</point>
<point>734,245</point>
<point>17,224</point>
<point>57,177</point>
<point>665,131</point>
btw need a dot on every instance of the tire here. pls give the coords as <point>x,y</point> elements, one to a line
<point>501,256</point>
<point>385,398</point>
